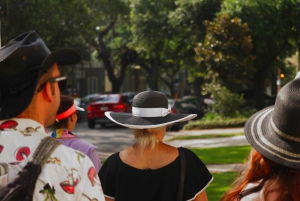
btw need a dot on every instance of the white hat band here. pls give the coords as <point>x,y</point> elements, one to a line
<point>150,112</point>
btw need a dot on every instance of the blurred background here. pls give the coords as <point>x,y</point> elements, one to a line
<point>198,52</point>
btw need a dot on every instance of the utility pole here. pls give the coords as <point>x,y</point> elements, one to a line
<point>0,35</point>
<point>278,80</point>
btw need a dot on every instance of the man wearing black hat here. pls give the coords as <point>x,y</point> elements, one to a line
<point>30,85</point>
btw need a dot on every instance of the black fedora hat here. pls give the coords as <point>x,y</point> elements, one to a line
<point>275,130</point>
<point>150,109</point>
<point>22,62</point>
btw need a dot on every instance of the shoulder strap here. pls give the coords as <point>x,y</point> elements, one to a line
<point>249,191</point>
<point>22,187</point>
<point>44,150</point>
<point>182,174</point>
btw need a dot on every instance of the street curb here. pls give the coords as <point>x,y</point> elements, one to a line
<point>204,132</point>
<point>221,168</point>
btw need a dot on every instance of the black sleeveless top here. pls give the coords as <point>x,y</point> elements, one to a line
<point>123,182</point>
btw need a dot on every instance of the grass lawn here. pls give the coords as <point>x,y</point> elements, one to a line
<point>205,136</point>
<point>220,185</point>
<point>222,155</point>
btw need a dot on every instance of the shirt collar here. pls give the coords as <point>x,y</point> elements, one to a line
<point>22,124</point>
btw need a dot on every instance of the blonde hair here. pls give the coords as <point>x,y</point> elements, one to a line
<point>146,137</point>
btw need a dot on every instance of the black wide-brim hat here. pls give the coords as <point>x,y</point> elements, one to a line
<point>275,131</point>
<point>150,109</point>
<point>22,62</point>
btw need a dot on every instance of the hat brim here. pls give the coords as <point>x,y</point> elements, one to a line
<point>262,134</point>
<point>17,103</point>
<point>79,108</point>
<point>130,121</point>
<point>61,57</point>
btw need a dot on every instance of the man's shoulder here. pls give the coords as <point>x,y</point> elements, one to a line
<point>70,155</point>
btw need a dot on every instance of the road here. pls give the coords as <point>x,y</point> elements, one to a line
<point>108,140</point>
<point>114,138</point>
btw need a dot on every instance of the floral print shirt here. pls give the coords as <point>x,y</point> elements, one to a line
<point>67,174</point>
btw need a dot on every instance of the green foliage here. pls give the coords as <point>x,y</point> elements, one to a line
<point>226,102</point>
<point>226,50</point>
<point>189,16</point>
<point>150,27</point>
<point>212,120</point>
<point>164,33</point>
<point>270,27</point>
<point>292,7</point>
<point>58,26</point>
<point>216,123</point>
<point>220,184</point>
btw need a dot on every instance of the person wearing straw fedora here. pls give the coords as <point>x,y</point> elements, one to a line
<point>66,120</point>
<point>151,170</point>
<point>30,86</point>
<point>273,170</point>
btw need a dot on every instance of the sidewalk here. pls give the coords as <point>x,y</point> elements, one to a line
<point>211,142</point>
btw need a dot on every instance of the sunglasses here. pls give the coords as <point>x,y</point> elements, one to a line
<point>62,83</point>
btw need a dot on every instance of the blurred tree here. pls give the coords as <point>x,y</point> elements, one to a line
<point>292,9</point>
<point>269,32</point>
<point>151,34</point>
<point>73,24</point>
<point>59,27</point>
<point>112,39</point>
<point>188,18</point>
<point>226,50</point>
<point>164,33</point>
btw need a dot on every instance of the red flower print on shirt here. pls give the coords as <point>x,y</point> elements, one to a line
<point>22,153</point>
<point>92,175</point>
<point>8,124</point>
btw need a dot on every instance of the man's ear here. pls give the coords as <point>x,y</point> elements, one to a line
<point>48,91</point>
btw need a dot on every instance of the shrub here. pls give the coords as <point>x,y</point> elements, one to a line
<point>212,120</point>
<point>226,103</point>
<point>216,123</point>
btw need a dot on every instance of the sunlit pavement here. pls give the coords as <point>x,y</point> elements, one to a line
<point>108,140</point>
<point>211,142</point>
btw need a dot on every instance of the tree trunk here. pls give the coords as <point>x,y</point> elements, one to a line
<point>154,75</point>
<point>197,86</point>
<point>172,91</point>
<point>170,83</point>
<point>116,87</point>
<point>298,63</point>
<point>259,84</point>
<point>127,57</point>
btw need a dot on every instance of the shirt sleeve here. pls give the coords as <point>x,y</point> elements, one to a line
<point>197,176</point>
<point>95,158</point>
<point>108,175</point>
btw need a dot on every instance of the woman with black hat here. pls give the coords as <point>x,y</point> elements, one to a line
<point>273,170</point>
<point>151,169</point>
<point>66,120</point>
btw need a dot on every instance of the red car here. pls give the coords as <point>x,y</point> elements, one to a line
<point>106,102</point>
